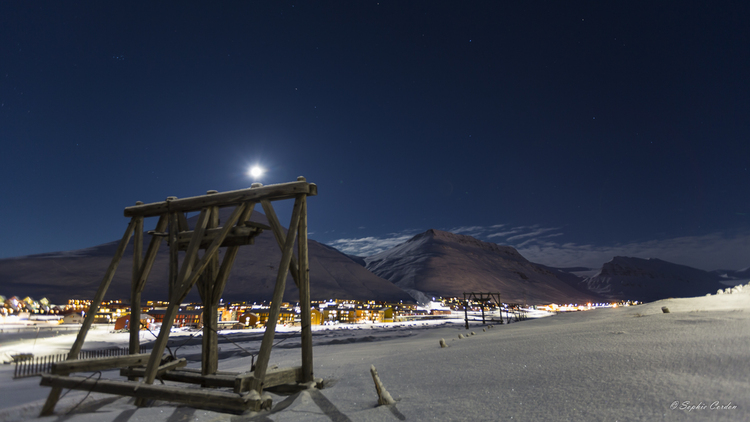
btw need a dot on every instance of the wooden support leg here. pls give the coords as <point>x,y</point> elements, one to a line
<point>177,292</point>
<point>189,273</point>
<point>264,353</point>
<point>135,293</point>
<point>304,295</point>
<point>54,395</point>
<point>143,271</point>
<point>210,340</point>
<point>466,312</point>
<point>159,345</point>
<point>278,233</point>
<point>173,252</point>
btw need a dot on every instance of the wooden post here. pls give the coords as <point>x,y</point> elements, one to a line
<point>264,353</point>
<point>231,253</point>
<point>173,251</point>
<point>54,395</point>
<point>210,341</point>
<point>304,294</point>
<point>178,292</point>
<point>213,292</point>
<point>143,272</point>
<point>189,273</point>
<point>466,311</point>
<point>278,233</point>
<point>135,294</point>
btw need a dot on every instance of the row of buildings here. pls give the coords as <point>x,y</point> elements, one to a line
<point>236,314</point>
<point>243,315</point>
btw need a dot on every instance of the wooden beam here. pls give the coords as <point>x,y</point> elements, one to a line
<point>181,375</point>
<point>278,293</point>
<point>185,281</point>
<point>144,271</point>
<point>222,199</point>
<point>54,395</point>
<point>206,281</point>
<point>153,249</point>
<point>161,341</point>
<point>174,252</point>
<point>213,249</point>
<point>239,382</point>
<point>182,222</point>
<point>273,377</point>
<point>278,233</point>
<point>135,294</point>
<point>191,255</point>
<point>160,371</point>
<point>230,255</point>
<point>98,364</point>
<point>199,398</point>
<point>304,295</point>
<point>238,236</point>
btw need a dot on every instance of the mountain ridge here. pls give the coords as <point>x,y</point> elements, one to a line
<point>253,276</point>
<point>439,263</point>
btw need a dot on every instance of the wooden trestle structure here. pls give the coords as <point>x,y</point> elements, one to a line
<point>483,298</point>
<point>210,276</point>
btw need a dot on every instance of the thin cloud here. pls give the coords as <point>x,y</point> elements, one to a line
<point>535,233</point>
<point>370,245</point>
<point>468,229</point>
<point>708,252</point>
<point>503,234</point>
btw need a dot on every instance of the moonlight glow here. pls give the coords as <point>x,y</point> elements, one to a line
<point>255,172</point>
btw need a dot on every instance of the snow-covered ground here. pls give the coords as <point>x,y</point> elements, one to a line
<point>629,363</point>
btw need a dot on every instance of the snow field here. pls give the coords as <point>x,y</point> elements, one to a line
<point>627,364</point>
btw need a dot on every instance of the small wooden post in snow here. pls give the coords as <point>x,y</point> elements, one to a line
<point>384,397</point>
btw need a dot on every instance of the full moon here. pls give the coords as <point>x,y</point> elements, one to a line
<point>255,172</point>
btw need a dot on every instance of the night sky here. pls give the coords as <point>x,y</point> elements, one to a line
<point>573,131</point>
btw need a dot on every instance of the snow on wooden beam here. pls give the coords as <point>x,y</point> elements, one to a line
<point>223,199</point>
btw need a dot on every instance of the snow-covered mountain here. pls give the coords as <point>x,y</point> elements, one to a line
<point>438,263</point>
<point>651,279</point>
<point>77,274</point>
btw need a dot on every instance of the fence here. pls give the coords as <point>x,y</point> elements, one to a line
<point>30,366</point>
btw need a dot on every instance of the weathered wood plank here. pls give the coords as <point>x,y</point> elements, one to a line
<point>210,340</point>
<point>231,252</point>
<point>182,222</point>
<point>273,377</point>
<point>278,234</point>
<point>304,296</point>
<point>151,252</point>
<point>238,236</point>
<point>160,343</point>
<point>191,255</point>
<point>213,250</point>
<point>264,353</point>
<point>135,294</point>
<point>174,253</point>
<point>98,364</point>
<point>190,377</point>
<point>274,192</point>
<point>143,273</point>
<point>169,366</point>
<point>54,394</point>
<point>199,398</point>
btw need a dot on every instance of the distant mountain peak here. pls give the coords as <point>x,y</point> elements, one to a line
<point>650,279</point>
<point>467,240</point>
<point>440,263</point>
